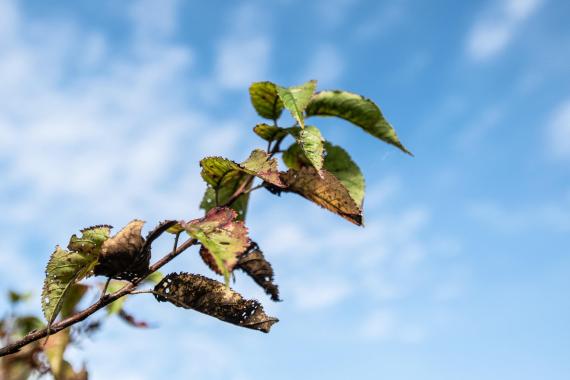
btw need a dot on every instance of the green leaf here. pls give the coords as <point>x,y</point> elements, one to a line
<point>356,109</point>
<point>115,306</point>
<point>211,297</point>
<point>311,142</point>
<point>222,235</point>
<point>294,157</point>
<point>16,297</point>
<point>265,100</point>
<point>270,132</point>
<point>64,269</point>
<point>296,99</point>
<point>91,240</point>
<point>338,162</point>
<point>72,299</point>
<point>325,190</point>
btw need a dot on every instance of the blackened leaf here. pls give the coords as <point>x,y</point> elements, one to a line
<point>270,132</point>
<point>338,162</point>
<point>122,256</point>
<point>257,267</point>
<point>192,291</point>
<point>261,165</point>
<point>325,190</point>
<point>265,100</point>
<point>209,260</point>
<point>296,99</point>
<point>131,320</point>
<point>64,269</point>
<point>222,235</point>
<point>358,110</point>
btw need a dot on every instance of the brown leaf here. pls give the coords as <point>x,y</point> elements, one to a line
<point>211,297</point>
<point>209,260</point>
<point>257,267</point>
<point>122,256</point>
<point>325,190</point>
<point>131,320</point>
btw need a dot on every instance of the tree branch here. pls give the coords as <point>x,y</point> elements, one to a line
<point>101,303</point>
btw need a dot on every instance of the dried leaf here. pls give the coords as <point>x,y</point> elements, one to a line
<point>358,110</point>
<point>91,240</point>
<point>257,267</point>
<point>222,235</point>
<point>325,190</point>
<point>122,256</point>
<point>296,99</point>
<point>192,291</point>
<point>64,269</point>
<point>338,162</point>
<point>265,100</point>
<point>132,321</point>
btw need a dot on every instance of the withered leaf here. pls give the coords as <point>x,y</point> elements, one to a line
<point>211,297</point>
<point>122,256</point>
<point>257,267</point>
<point>325,190</point>
<point>263,166</point>
<point>222,235</point>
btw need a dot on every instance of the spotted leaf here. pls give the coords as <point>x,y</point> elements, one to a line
<point>264,99</point>
<point>192,291</point>
<point>296,99</point>
<point>259,269</point>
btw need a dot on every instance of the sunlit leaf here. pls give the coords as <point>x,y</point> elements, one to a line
<point>72,299</point>
<point>122,256</point>
<point>325,190</point>
<point>265,100</point>
<point>257,267</point>
<point>356,109</point>
<point>91,240</point>
<point>222,235</point>
<point>116,306</point>
<point>311,142</point>
<point>296,99</point>
<point>192,291</point>
<point>64,268</point>
<point>261,165</point>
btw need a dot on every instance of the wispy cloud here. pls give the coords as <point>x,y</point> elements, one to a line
<point>558,131</point>
<point>327,65</point>
<point>493,31</point>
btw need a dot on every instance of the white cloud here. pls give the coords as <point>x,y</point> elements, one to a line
<point>558,131</point>
<point>492,32</point>
<point>386,325</point>
<point>320,293</point>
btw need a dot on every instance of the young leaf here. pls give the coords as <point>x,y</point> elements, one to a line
<point>311,142</point>
<point>338,162</point>
<point>296,99</point>
<point>122,256</point>
<point>356,109</point>
<point>270,132</point>
<point>325,190</point>
<point>222,235</point>
<point>261,165</point>
<point>265,100</point>
<point>192,291</point>
<point>257,267</point>
<point>64,269</point>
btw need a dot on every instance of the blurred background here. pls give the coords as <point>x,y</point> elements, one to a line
<point>463,268</point>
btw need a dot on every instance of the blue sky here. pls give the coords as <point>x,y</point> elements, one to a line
<point>463,269</point>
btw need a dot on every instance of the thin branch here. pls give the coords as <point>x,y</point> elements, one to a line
<point>101,303</point>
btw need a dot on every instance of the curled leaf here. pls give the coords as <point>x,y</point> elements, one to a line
<point>263,166</point>
<point>257,267</point>
<point>63,270</point>
<point>358,110</point>
<point>122,256</point>
<point>296,99</point>
<point>222,235</point>
<point>270,132</point>
<point>265,100</point>
<point>325,190</point>
<point>91,240</point>
<point>192,291</point>
<point>311,142</point>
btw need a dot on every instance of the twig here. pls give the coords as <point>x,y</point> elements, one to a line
<point>101,303</point>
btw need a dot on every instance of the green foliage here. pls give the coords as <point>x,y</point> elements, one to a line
<point>296,99</point>
<point>356,109</point>
<point>319,171</point>
<point>64,268</point>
